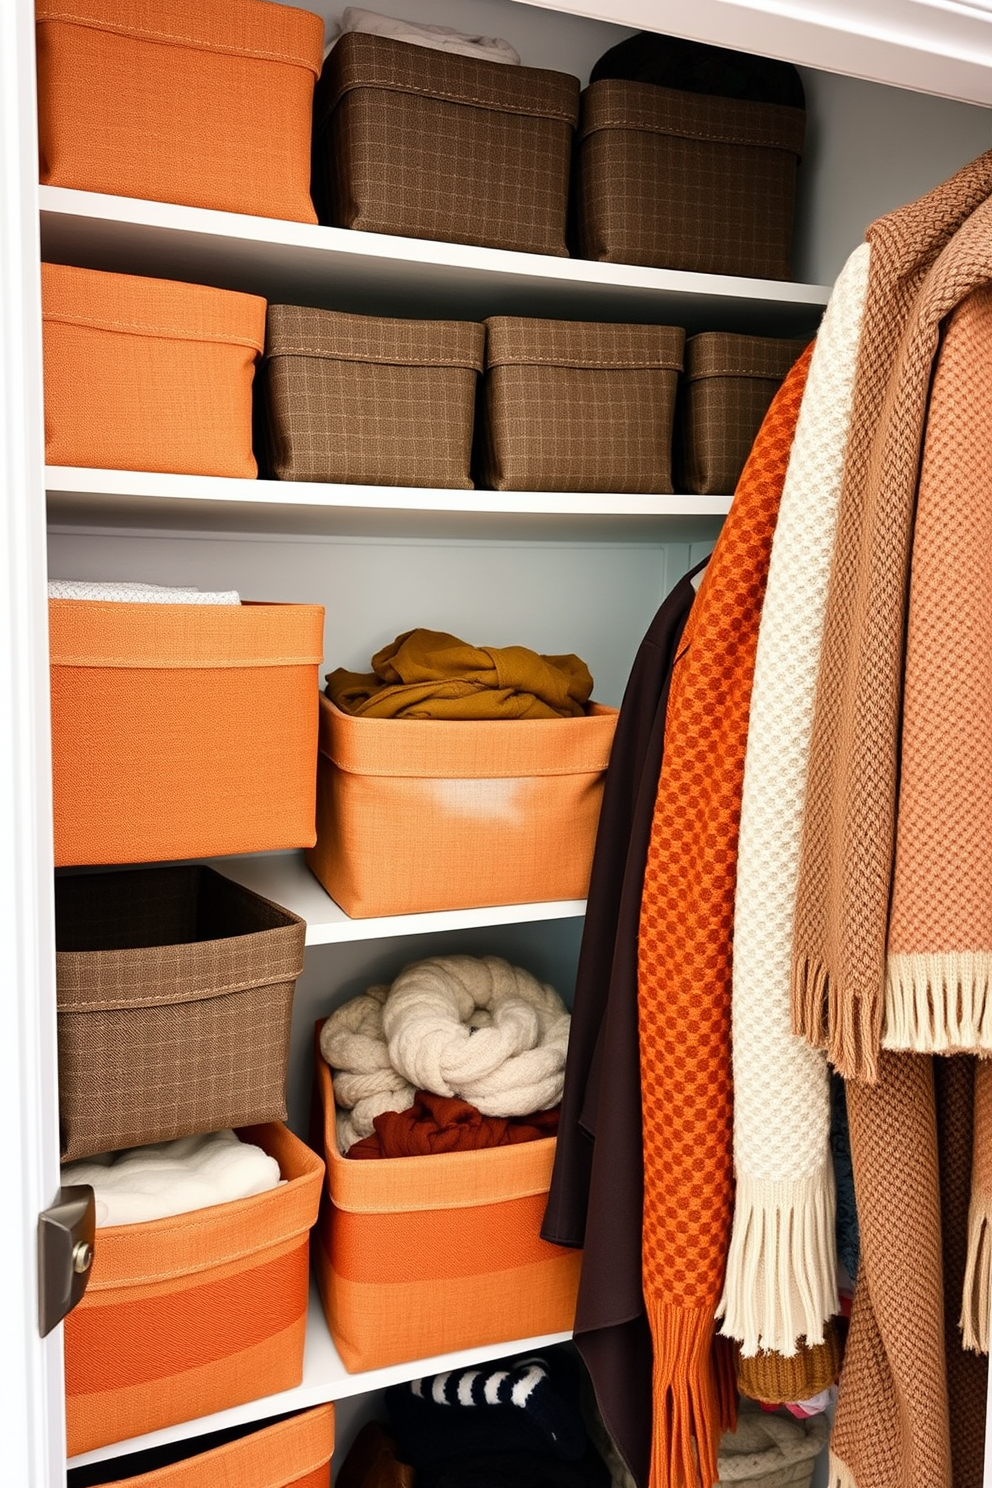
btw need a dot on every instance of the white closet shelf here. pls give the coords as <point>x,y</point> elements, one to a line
<point>324,1378</point>
<point>285,878</point>
<point>337,268</point>
<point>141,499</point>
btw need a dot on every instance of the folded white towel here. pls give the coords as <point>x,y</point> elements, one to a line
<point>145,1183</point>
<point>438,38</point>
<point>125,593</point>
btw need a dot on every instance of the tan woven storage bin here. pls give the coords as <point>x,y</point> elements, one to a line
<point>175,990</point>
<point>729,383</point>
<point>424,814</point>
<point>579,406</point>
<point>675,180</point>
<point>430,145</point>
<point>370,400</point>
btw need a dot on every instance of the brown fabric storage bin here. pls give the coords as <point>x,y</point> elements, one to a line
<point>579,406</point>
<point>419,814</point>
<point>675,180</point>
<point>370,400</point>
<point>174,990</point>
<point>729,383</point>
<point>430,145</point>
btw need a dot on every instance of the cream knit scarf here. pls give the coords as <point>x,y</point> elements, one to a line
<point>780,1281</point>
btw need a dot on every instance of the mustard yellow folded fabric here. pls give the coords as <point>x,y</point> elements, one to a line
<point>429,674</point>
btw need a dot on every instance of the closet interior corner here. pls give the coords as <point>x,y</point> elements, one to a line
<point>559,571</point>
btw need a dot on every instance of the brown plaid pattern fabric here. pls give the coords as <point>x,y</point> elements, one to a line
<point>368,400</point>
<point>428,145</point>
<point>676,180</point>
<point>729,384</point>
<point>175,990</point>
<point>579,406</point>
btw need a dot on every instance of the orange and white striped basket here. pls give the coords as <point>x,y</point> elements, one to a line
<point>417,1256</point>
<point>195,1313</point>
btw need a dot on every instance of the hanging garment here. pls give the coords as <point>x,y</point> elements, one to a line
<point>684,971</point>
<point>781,1269</point>
<point>845,877</point>
<point>906,1376</point>
<point>429,674</point>
<point>596,1193</point>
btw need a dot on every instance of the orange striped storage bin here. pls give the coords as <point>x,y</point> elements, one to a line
<point>423,814</point>
<point>294,1453</point>
<point>202,102</point>
<point>192,1314</point>
<point>418,1256</point>
<point>148,374</point>
<point>182,731</point>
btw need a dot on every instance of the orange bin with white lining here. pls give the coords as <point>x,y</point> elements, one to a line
<point>195,1313</point>
<point>417,1256</point>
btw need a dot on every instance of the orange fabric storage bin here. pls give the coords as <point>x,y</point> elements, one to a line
<point>207,103</point>
<point>182,731</point>
<point>425,814</point>
<point>148,374</point>
<point>192,1314</point>
<point>293,1453</point>
<point>418,1256</point>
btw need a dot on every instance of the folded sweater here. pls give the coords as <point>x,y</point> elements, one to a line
<point>440,1123</point>
<point>127,593</point>
<point>430,674</point>
<point>438,38</point>
<point>146,1183</point>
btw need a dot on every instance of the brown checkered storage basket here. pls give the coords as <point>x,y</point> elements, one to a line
<point>429,145</point>
<point>370,400</point>
<point>579,406</point>
<point>675,180</point>
<point>175,989</point>
<point>729,383</point>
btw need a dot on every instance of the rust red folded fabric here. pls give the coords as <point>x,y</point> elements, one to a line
<point>439,1123</point>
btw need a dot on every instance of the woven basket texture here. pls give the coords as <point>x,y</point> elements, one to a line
<point>417,1256</point>
<point>729,383</point>
<point>195,1313</point>
<point>370,400</point>
<point>674,180</point>
<point>176,101</point>
<point>579,406</point>
<point>415,815</point>
<point>175,991</point>
<point>429,145</point>
<point>148,374</point>
<point>293,1453</point>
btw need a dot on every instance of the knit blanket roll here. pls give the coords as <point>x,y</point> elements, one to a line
<point>842,899</point>
<point>781,1270</point>
<point>430,674</point>
<point>684,971</point>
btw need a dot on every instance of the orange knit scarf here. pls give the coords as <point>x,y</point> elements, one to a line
<point>684,977</point>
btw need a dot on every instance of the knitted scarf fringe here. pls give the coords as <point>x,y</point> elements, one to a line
<point>849,1028</point>
<point>840,1475</point>
<point>939,1002</point>
<point>977,1290</point>
<point>694,1392</point>
<point>781,1271</point>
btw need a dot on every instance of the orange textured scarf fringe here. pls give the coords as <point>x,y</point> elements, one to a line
<point>684,971</point>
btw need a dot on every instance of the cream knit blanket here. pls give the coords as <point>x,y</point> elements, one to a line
<point>467,1026</point>
<point>780,1282</point>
